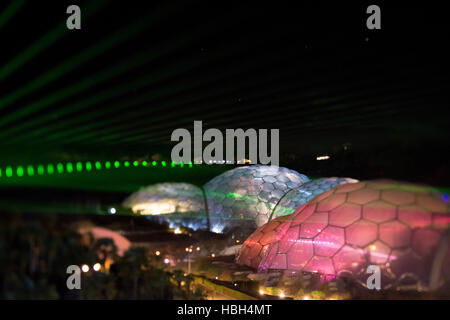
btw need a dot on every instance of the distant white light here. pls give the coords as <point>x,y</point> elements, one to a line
<point>218,228</point>
<point>85,268</point>
<point>97,266</point>
<point>155,208</point>
<point>166,261</point>
<point>112,210</point>
<point>322,157</point>
<point>177,231</point>
<point>282,295</point>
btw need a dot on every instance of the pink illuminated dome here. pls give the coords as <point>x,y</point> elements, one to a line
<point>401,228</point>
<point>255,247</point>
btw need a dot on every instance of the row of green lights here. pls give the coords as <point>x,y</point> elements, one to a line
<point>69,167</point>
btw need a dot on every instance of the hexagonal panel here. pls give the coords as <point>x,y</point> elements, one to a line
<point>379,211</point>
<point>345,215</point>
<point>329,241</point>
<point>433,204</point>
<point>279,261</point>
<point>331,202</point>
<point>289,239</point>
<point>348,259</point>
<point>425,241</point>
<point>301,216</point>
<point>350,187</point>
<point>322,265</point>
<point>270,179</point>
<point>322,196</point>
<point>281,230</point>
<point>301,208</point>
<point>268,237</point>
<point>271,225</point>
<point>414,216</point>
<point>268,187</point>
<point>395,234</point>
<point>378,252</point>
<point>254,251</point>
<point>260,219</point>
<point>299,254</point>
<point>361,233</point>
<point>363,196</point>
<point>243,256</point>
<point>441,221</point>
<point>397,197</point>
<point>264,262</point>
<point>314,224</point>
<point>263,251</point>
<point>255,236</point>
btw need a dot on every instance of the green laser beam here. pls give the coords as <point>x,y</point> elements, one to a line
<point>120,68</point>
<point>40,45</point>
<point>325,121</point>
<point>70,64</point>
<point>10,11</point>
<point>159,120</point>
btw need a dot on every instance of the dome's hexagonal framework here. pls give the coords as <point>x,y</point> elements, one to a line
<point>256,245</point>
<point>177,203</point>
<point>296,197</point>
<point>292,200</point>
<point>401,228</point>
<point>245,197</point>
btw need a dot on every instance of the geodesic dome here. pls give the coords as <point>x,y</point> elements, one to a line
<point>403,229</point>
<point>176,203</point>
<point>245,197</point>
<point>296,197</point>
<point>255,246</point>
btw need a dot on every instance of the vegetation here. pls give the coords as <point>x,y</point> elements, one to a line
<point>36,251</point>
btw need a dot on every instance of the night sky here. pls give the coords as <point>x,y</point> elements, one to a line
<point>375,100</point>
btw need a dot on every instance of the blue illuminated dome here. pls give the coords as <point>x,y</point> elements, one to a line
<point>298,196</point>
<point>245,197</point>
